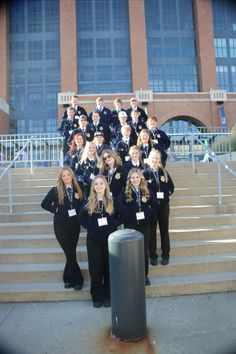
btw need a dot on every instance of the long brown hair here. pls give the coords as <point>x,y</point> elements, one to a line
<point>103,166</point>
<point>73,146</point>
<point>92,204</point>
<point>143,185</point>
<point>61,191</point>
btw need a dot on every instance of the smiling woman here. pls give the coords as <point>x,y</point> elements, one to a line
<point>65,201</point>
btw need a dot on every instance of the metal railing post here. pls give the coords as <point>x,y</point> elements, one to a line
<point>10,191</point>
<point>219,181</point>
<point>192,151</point>
<point>31,157</point>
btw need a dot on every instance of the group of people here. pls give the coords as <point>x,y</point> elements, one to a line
<point>114,174</point>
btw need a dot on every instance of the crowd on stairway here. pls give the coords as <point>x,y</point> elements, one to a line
<point>114,173</point>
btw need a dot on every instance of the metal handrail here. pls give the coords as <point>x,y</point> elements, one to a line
<point>219,163</point>
<point>8,170</point>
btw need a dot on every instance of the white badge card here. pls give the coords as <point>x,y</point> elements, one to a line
<point>70,132</point>
<point>102,222</point>
<point>140,215</point>
<point>92,176</point>
<point>145,161</point>
<point>127,158</point>
<point>110,193</point>
<point>155,141</point>
<point>160,195</point>
<point>72,212</point>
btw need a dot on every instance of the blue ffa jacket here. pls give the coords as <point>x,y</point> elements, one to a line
<point>61,216</point>
<point>72,160</point>
<point>78,111</point>
<point>115,116</point>
<point>117,180</point>
<point>148,206</point>
<point>122,149</point>
<point>100,128</point>
<point>156,183</point>
<point>137,127</point>
<point>85,172</point>
<point>105,115</point>
<point>67,126</point>
<point>142,117</point>
<point>90,222</point>
<point>160,138</point>
<point>129,165</point>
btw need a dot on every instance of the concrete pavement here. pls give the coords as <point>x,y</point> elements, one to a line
<point>198,324</point>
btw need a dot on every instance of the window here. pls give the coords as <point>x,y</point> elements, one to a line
<point>103,45</point>
<point>222,77</point>
<point>233,76</point>
<point>35,76</point>
<point>220,47</point>
<point>34,8</point>
<point>172,58</point>
<point>35,50</point>
<point>232,47</point>
<point>51,16</point>
<point>17,51</point>
<point>52,49</point>
<point>17,17</point>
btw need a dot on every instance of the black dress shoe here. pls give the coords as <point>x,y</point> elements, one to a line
<point>68,285</point>
<point>97,304</point>
<point>153,261</point>
<point>165,261</point>
<point>107,303</point>
<point>77,287</point>
<point>147,281</point>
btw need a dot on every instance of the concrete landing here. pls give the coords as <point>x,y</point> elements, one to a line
<point>196,324</point>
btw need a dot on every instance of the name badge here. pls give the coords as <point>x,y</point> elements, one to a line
<point>102,222</point>
<point>140,215</point>
<point>160,195</point>
<point>145,161</point>
<point>76,165</point>
<point>155,141</point>
<point>110,194</point>
<point>72,212</point>
<point>127,158</point>
<point>76,117</point>
<point>92,176</point>
<point>70,132</point>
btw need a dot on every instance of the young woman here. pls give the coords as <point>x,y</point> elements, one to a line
<point>64,201</point>
<point>87,167</point>
<point>110,166</point>
<point>138,203</point>
<point>73,156</point>
<point>135,159</point>
<point>100,217</point>
<point>146,144</point>
<point>161,185</point>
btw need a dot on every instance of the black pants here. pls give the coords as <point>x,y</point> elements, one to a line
<point>67,235</point>
<point>145,230</point>
<point>98,260</point>
<point>162,218</point>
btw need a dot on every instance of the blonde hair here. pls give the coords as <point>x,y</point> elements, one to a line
<point>135,148</point>
<point>85,152</point>
<point>143,185</point>
<point>158,154</point>
<point>139,141</point>
<point>102,165</point>
<point>125,127</point>
<point>61,191</point>
<point>92,203</point>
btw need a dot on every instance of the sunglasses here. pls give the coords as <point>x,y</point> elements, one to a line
<point>106,157</point>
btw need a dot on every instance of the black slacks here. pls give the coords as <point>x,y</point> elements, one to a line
<point>160,217</point>
<point>67,235</point>
<point>98,260</point>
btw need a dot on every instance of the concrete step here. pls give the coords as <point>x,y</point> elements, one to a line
<point>39,272</point>
<point>201,220</point>
<point>205,199</point>
<point>55,254</point>
<point>163,286</point>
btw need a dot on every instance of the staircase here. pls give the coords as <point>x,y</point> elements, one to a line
<point>202,233</point>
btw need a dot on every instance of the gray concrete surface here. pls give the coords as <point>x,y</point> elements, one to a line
<point>199,324</point>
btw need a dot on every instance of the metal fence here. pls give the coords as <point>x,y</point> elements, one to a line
<point>46,149</point>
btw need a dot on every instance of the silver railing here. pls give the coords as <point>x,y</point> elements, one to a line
<point>45,150</point>
<point>8,171</point>
<point>210,155</point>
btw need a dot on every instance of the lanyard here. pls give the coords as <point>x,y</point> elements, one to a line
<point>91,164</point>
<point>69,192</point>
<point>110,175</point>
<point>145,150</point>
<point>138,198</point>
<point>100,208</point>
<point>156,177</point>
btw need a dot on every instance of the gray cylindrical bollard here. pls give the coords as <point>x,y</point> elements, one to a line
<point>127,282</point>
